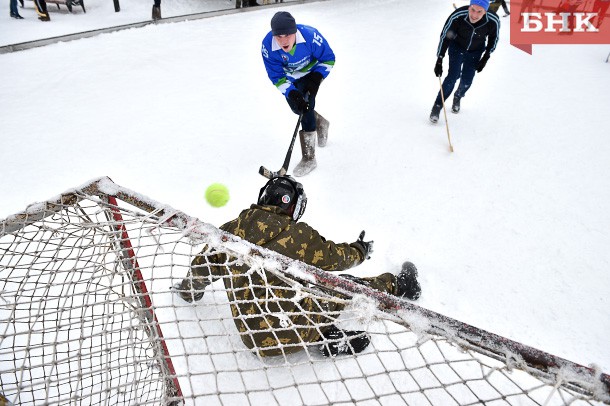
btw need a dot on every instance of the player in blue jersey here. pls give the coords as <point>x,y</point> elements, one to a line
<point>297,59</point>
<point>470,35</point>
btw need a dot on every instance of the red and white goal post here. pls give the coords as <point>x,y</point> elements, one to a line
<point>88,317</point>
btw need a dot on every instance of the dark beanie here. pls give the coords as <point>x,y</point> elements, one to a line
<point>283,23</point>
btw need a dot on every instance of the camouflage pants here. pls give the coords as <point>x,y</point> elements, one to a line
<point>266,313</point>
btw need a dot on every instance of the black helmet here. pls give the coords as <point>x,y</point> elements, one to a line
<point>285,193</point>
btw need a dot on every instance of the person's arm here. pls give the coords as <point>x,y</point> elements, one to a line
<point>275,68</point>
<point>322,51</point>
<point>492,40</point>
<point>326,254</point>
<point>493,35</point>
<point>449,31</point>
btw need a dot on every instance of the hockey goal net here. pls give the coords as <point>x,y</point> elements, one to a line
<point>88,317</point>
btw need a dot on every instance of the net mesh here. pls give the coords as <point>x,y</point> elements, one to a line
<point>88,316</point>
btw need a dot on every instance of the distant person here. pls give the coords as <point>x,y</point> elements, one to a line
<point>41,10</point>
<point>505,8</point>
<point>15,10</point>
<point>494,5</point>
<point>268,314</point>
<point>156,10</point>
<point>297,58</point>
<point>245,3</point>
<point>471,35</point>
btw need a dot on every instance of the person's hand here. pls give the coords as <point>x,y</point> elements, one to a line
<point>297,100</point>
<point>482,62</point>
<point>313,83</point>
<point>438,68</point>
<point>366,247</point>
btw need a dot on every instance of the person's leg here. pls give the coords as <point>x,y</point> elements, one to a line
<point>308,122</point>
<point>471,59</point>
<point>404,284</point>
<point>505,8</point>
<point>456,59</point>
<point>308,134</point>
<point>199,276</point>
<point>41,9</point>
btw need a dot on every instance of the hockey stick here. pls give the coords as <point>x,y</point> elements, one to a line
<point>282,171</point>
<point>445,111</point>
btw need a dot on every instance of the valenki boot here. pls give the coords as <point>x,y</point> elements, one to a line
<point>156,12</point>
<point>322,129</point>
<point>308,150</point>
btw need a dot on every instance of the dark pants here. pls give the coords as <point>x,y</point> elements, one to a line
<point>462,66</point>
<point>41,7</point>
<point>14,9</point>
<point>504,7</point>
<point>308,123</point>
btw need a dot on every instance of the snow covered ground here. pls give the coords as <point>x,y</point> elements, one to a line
<point>510,232</point>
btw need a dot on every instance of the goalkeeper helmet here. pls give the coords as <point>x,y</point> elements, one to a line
<point>285,193</point>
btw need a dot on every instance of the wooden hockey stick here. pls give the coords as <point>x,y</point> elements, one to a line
<point>282,171</point>
<point>445,111</point>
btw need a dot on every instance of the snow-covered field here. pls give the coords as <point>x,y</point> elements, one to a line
<point>510,232</point>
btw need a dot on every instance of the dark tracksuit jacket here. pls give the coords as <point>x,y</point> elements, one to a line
<point>481,36</point>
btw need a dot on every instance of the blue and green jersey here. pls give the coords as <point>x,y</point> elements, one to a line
<point>311,53</point>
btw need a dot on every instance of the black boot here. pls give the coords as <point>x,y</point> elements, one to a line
<point>156,13</point>
<point>191,289</point>
<point>17,16</point>
<point>456,104</point>
<point>406,282</point>
<point>338,341</point>
<point>436,110</point>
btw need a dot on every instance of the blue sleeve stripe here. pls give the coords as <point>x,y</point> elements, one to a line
<point>450,21</point>
<point>497,22</point>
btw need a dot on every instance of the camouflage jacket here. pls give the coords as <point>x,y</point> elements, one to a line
<point>269,315</point>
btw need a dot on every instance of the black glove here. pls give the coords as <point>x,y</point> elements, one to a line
<point>312,84</point>
<point>438,68</point>
<point>297,100</point>
<point>365,247</point>
<point>482,62</point>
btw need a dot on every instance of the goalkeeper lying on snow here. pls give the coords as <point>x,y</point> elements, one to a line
<point>262,304</point>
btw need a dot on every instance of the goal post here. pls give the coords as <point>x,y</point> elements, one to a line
<point>88,316</point>
<point>130,263</point>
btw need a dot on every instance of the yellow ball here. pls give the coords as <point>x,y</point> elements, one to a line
<point>217,195</point>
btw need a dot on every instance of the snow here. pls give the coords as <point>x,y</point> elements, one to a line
<point>509,232</point>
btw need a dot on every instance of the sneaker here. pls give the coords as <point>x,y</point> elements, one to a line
<point>17,16</point>
<point>338,342</point>
<point>456,104</point>
<point>406,282</point>
<point>436,110</point>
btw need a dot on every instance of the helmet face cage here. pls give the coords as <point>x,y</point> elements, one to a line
<point>285,193</point>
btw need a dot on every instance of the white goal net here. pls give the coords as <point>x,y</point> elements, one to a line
<point>88,316</point>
